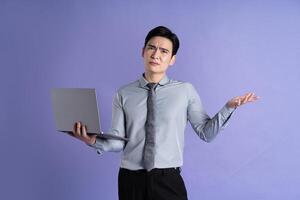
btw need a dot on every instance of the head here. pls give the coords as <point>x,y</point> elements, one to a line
<point>160,48</point>
<point>165,33</point>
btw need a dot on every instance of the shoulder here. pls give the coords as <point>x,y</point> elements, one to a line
<point>128,87</point>
<point>183,88</point>
<point>186,88</point>
<point>182,84</point>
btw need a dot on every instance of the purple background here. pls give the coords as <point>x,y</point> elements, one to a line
<point>227,49</point>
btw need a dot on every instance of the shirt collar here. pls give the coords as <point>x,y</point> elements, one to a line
<point>144,82</point>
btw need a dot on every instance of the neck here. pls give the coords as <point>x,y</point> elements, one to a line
<point>154,78</point>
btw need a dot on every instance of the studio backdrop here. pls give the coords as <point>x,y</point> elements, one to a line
<point>227,48</point>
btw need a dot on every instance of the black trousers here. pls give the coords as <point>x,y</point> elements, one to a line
<point>158,184</point>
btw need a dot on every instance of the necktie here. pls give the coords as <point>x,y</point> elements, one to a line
<point>149,148</point>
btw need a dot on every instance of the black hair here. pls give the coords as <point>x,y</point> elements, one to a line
<point>166,33</point>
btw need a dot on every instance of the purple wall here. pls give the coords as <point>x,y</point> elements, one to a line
<point>227,49</point>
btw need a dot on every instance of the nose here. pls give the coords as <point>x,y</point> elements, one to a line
<point>156,54</point>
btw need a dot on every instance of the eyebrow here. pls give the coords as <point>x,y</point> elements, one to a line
<point>151,45</point>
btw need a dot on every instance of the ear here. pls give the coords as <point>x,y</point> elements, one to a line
<point>143,49</point>
<point>173,59</point>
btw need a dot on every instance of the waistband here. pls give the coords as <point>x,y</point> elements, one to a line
<point>161,171</point>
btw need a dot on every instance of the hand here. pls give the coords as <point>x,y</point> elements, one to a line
<point>240,100</point>
<point>80,132</point>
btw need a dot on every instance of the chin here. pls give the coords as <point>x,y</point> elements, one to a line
<point>154,69</point>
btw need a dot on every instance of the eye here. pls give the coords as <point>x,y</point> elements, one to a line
<point>151,47</point>
<point>165,51</point>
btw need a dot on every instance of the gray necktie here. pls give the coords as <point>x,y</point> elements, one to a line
<point>149,149</point>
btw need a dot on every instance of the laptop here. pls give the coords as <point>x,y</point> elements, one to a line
<point>72,105</point>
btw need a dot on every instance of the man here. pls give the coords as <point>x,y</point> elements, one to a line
<point>152,112</point>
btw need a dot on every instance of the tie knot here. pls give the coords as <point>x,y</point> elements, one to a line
<point>151,85</point>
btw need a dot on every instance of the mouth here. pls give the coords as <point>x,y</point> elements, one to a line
<point>153,63</point>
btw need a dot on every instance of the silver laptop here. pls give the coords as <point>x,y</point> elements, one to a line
<point>72,105</point>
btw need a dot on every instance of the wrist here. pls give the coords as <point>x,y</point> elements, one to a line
<point>91,142</point>
<point>228,104</point>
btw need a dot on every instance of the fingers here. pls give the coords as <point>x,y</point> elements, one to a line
<point>84,132</point>
<point>249,97</point>
<point>246,97</point>
<point>85,137</point>
<point>76,129</point>
<point>252,97</point>
<point>240,100</point>
<point>79,130</point>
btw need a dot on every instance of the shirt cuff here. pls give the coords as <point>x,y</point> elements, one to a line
<point>229,109</point>
<point>226,112</point>
<point>98,146</point>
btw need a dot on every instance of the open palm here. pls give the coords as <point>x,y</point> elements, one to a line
<point>240,100</point>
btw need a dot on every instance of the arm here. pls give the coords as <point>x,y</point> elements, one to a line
<point>118,128</point>
<point>205,127</point>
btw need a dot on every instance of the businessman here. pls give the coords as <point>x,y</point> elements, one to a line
<point>152,112</point>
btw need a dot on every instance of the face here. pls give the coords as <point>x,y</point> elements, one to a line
<point>157,55</point>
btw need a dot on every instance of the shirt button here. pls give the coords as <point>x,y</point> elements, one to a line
<point>99,152</point>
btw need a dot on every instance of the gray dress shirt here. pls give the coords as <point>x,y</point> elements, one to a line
<point>176,103</point>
